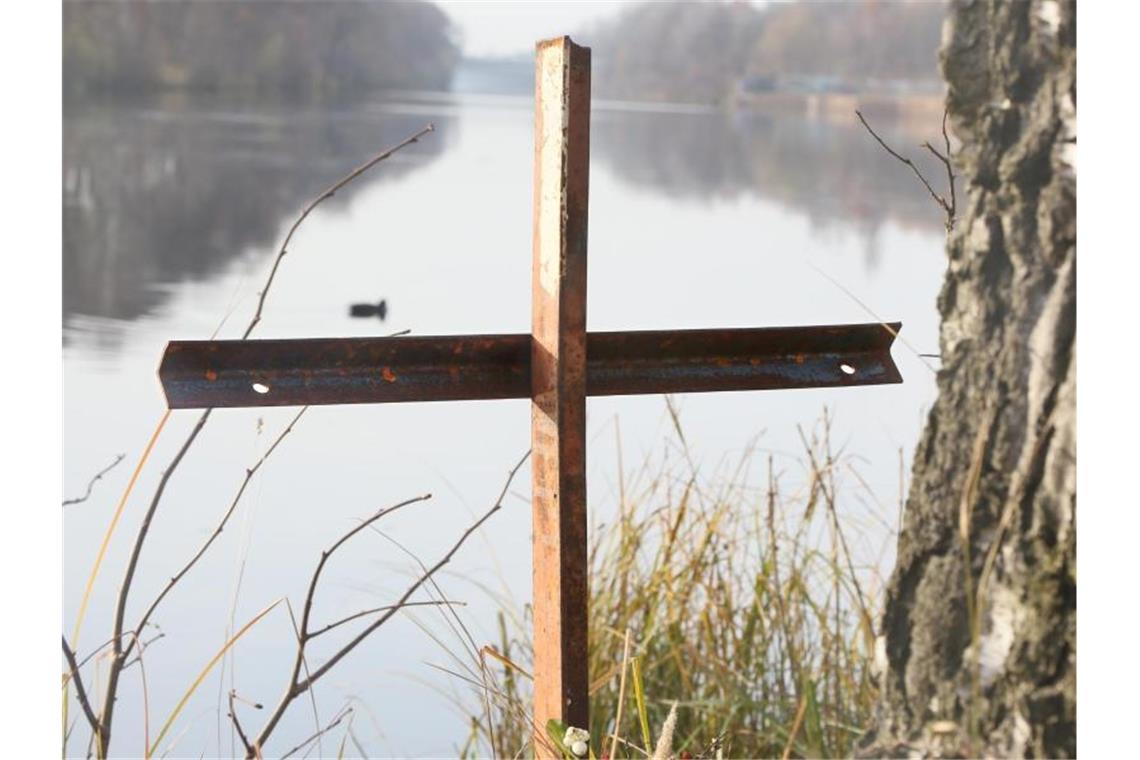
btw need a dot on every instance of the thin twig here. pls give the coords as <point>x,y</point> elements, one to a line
<point>363,613</point>
<point>422,580</point>
<point>459,629</point>
<point>305,667</point>
<point>950,207</point>
<point>142,647</point>
<point>330,192</point>
<point>237,724</point>
<point>885,325</point>
<point>945,159</point>
<point>510,704</point>
<point>320,732</point>
<point>298,687</point>
<point>145,691</point>
<point>120,654</point>
<point>91,484</point>
<point>294,690</point>
<point>80,692</point>
<point>119,658</point>
<point>97,650</point>
<point>249,473</point>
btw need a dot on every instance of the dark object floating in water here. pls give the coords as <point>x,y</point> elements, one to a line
<point>369,310</point>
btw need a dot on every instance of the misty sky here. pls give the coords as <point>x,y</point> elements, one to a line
<point>503,28</point>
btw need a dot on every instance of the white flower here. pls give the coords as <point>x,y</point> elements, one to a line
<point>577,740</point>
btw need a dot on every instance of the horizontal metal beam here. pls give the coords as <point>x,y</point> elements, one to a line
<point>200,374</point>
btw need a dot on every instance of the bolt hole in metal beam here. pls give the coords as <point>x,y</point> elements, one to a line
<point>261,388</point>
<point>847,369</point>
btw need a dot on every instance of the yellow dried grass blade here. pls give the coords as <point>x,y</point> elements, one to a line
<point>639,698</point>
<point>102,553</point>
<point>621,698</point>
<point>111,528</point>
<point>202,676</point>
<point>492,652</point>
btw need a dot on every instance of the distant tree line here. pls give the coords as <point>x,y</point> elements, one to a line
<point>703,52</point>
<point>686,51</point>
<point>288,47</point>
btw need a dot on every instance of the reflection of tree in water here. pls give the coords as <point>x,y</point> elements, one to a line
<point>157,193</point>
<point>835,174</point>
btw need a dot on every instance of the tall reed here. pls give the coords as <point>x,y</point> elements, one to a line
<point>742,603</point>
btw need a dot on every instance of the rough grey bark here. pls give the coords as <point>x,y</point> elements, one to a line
<point>989,535</point>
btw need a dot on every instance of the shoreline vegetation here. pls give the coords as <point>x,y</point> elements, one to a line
<point>743,599</point>
<point>737,54</point>
<point>299,50</point>
<point>823,59</point>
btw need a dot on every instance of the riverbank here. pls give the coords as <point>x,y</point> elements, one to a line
<point>918,112</point>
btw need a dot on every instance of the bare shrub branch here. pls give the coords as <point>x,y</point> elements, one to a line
<point>295,688</point>
<point>330,192</point>
<point>237,724</point>
<point>91,484</point>
<point>336,721</point>
<point>297,685</point>
<point>80,692</point>
<point>948,206</point>
<point>249,473</point>
<point>364,613</point>
<point>119,658</point>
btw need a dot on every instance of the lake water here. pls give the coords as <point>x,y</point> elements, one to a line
<point>173,209</point>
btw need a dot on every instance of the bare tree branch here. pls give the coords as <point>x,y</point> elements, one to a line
<point>422,580</point>
<point>363,613</point>
<point>336,721</point>
<point>249,473</point>
<point>458,628</point>
<point>91,484</point>
<point>298,687</point>
<point>142,647</point>
<point>80,692</point>
<point>945,159</point>
<point>237,725</point>
<point>119,658</point>
<point>305,667</point>
<point>316,202</point>
<point>303,636</point>
<point>97,650</point>
<point>949,207</point>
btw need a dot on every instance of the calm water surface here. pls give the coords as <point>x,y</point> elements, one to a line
<point>172,212</point>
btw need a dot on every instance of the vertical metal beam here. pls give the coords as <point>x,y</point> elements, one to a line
<point>558,390</point>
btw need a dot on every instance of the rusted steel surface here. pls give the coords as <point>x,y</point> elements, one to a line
<point>558,385</point>
<point>345,370</point>
<point>750,359</point>
<point>198,374</point>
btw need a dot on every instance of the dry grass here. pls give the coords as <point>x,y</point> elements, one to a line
<point>741,603</point>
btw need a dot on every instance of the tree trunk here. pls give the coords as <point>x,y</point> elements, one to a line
<point>980,620</point>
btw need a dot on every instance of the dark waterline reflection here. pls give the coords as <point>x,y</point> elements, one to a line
<point>170,190</point>
<point>833,173</point>
<point>162,191</point>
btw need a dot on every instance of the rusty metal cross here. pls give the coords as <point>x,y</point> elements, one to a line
<point>557,366</point>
